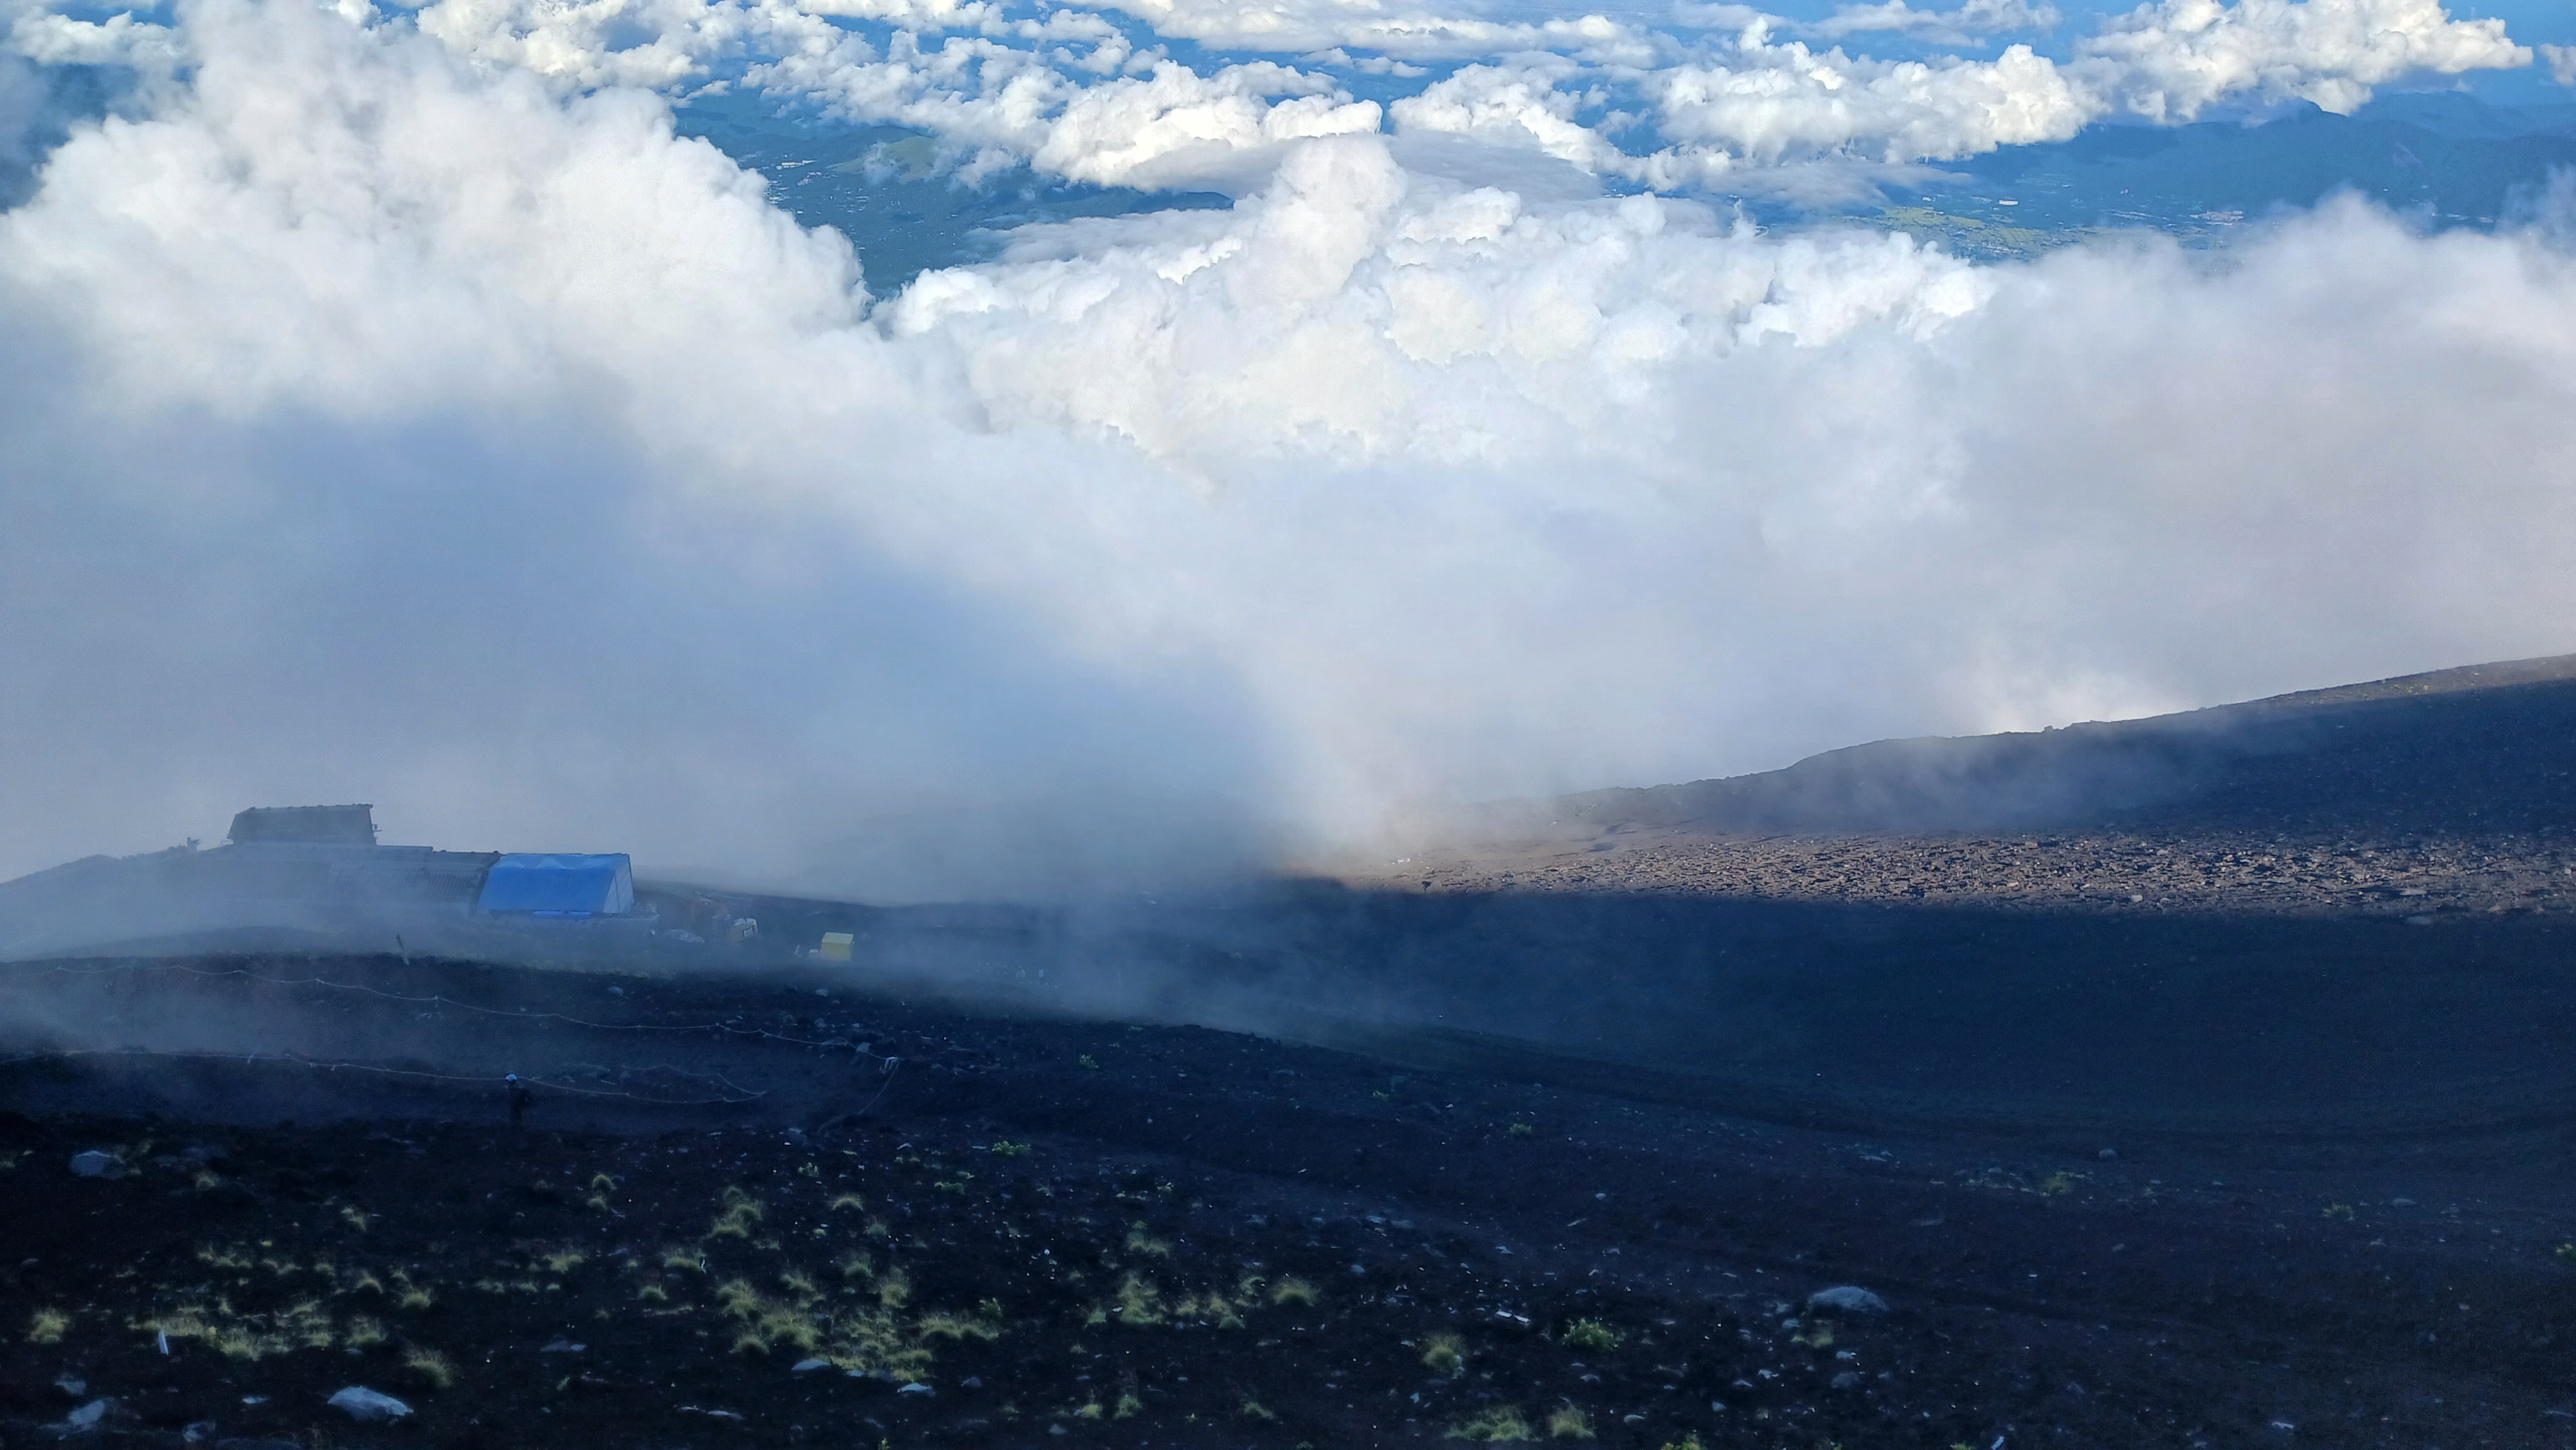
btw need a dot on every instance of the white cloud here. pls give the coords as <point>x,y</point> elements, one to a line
<point>50,39</point>
<point>1065,91</point>
<point>1782,101</point>
<point>387,423</point>
<point>1416,33</point>
<point>2170,60</point>
<point>577,43</point>
<point>1516,107</point>
<point>2167,62</point>
<point>2562,63</point>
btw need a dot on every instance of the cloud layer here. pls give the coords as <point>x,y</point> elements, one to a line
<point>391,417</point>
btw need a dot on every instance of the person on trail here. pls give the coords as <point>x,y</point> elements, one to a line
<point>520,1099</point>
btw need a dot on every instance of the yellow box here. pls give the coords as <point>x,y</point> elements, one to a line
<point>835,947</point>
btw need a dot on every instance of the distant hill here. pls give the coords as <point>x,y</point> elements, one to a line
<point>2444,156</point>
<point>2485,747</point>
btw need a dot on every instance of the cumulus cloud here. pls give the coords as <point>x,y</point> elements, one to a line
<point>1417,33</point>
<point>1066,92</point>
<point>2165,62</point>
<point>1785,100</point>
<point>1756,98</point>
<point>2173,59</point>
<point>389,421</point>
<point>1520,107</point>
<point>1046,93</point>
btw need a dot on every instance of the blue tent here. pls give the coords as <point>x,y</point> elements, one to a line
<point>560,885</point>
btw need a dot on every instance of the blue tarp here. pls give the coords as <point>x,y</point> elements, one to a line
<point>560,885</point>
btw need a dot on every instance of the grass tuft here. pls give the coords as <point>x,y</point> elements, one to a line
<point>956,1326</point>
<point>1591,1334</point>
<point>47,1326</point>
<point>1569,1423</point>
<point>1292,1291</point>
<point>234,1342</point>
<point>1139,1302</point>
<point>1498,1424</point>
<point>429,1367</point>
<point>1445,1353</point>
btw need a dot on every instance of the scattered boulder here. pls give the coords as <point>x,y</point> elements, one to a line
<point>88,1416</point>
<point>1849,1298</point>
<point>803,1365</point>
<point>95,1164</point>
<point>366,1404</point>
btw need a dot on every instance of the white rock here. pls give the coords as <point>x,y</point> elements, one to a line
<point>94,1164</point>
<point>88,1415</point>
<point>802,1365</point>
<point>367,1404</point>
<point>1849,1298</point>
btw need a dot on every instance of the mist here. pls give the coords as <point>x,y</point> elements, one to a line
<point>386,420</point>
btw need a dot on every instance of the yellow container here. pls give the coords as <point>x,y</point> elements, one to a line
<point>836,946</point>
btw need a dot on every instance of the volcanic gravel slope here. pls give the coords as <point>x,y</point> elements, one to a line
<point>2446,792</point>
<point>1078,1233</point>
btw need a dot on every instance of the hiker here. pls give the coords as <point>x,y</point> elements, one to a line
<point>520,1099</point>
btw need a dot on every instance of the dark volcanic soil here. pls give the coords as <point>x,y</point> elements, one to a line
<point>1176,1236</point>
